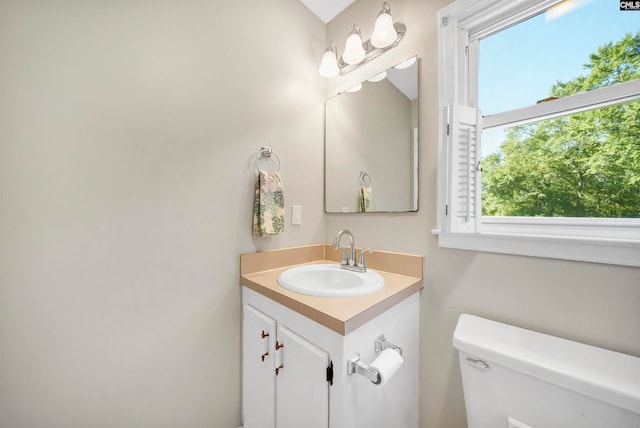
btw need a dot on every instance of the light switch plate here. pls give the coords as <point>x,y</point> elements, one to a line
<point>296,215</point>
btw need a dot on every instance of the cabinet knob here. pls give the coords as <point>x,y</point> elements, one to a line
<point>278,369</point>
<point>264,355</point>
<point>264,334</point>
<point>279,345</point>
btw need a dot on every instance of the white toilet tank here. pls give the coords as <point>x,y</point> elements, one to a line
<point>517,378</point>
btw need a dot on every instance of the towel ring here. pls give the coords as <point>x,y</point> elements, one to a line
<point>363,179</point>
<point>266,152</point>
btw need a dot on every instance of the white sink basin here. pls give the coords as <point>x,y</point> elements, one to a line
<point>329,280</point>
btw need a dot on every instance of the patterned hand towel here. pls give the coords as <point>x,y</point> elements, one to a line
<point>365,199</point>
<point>268,205</point>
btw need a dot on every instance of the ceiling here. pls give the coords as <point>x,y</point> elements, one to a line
<point>326,10</point>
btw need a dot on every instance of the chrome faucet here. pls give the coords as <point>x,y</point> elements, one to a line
<point>349,260</point>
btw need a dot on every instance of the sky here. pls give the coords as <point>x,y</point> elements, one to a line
<point>519,65</point>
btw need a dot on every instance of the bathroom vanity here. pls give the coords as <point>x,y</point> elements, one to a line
<point>296,347</point>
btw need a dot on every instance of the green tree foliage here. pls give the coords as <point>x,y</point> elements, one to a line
<point>582,165</point>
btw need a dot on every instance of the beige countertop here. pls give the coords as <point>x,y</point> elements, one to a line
<point>402,275</point>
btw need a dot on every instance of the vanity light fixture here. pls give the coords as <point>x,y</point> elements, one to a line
<point>385,35</point>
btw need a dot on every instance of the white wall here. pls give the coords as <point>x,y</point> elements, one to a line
<point>592,303</point>
<point>128,134</point>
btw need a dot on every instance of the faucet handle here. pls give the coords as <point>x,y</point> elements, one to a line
<point>361,258</point>
<point>345,257</point>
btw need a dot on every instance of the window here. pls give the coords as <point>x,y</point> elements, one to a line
<point>539,155</point>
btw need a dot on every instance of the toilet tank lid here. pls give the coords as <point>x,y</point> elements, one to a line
<point>602,374</point>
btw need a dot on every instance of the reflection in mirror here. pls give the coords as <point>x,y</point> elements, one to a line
<point>371,144</point>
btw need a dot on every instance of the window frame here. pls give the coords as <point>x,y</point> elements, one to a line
<point>460,27</point>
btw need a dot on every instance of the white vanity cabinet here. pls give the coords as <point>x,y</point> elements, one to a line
<point>258,365</point>
<point>300,395</point>
<point>285,381</point>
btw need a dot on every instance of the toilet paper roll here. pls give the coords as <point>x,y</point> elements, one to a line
<point>387,364</point>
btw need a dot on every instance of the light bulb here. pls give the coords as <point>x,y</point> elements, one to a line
<point>353,50</point>
<point>384,33</point>
<point>329,65</point>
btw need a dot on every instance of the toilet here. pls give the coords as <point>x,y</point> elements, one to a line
<point>517,378</point>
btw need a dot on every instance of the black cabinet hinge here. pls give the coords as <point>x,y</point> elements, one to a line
<point>330,373</point>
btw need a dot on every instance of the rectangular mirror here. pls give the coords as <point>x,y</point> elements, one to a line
<point>371,144</point>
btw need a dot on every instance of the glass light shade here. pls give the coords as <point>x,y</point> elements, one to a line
<point>406,64</point>
<point>378,77</point>
<point>355,88</point>
<point>384,33</point>
<point>329,65</point>
<point>353,50</point>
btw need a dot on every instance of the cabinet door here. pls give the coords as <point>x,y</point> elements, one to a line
<point>302,392</point>
<point>258,378</point>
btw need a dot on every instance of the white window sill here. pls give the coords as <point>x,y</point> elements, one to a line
<point>625,252</point>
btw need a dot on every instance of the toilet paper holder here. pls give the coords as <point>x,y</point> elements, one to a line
<point>381,344</point>
<point>356,366</point>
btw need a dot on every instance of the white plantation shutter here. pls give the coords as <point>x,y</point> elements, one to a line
<point>463,208</point>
